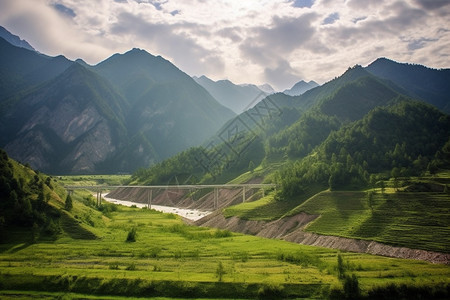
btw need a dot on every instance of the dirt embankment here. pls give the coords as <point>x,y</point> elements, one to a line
<point>291,229</point>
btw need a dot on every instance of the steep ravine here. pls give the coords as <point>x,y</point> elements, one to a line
<point>291,229</point>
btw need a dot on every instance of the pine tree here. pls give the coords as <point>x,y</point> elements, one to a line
<point>68,205</point>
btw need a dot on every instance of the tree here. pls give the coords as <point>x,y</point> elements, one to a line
<point>340,267</point>
<point>68,205</point>
<point>41,200</point>
<point>351,287</point>
<point>382,186</point>
<point>35,232</point>
<point>251,166</point>
<point>220,271</point>
<point>370,200</point>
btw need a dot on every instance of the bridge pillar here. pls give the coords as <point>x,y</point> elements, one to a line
<point>263,192</point>
<point>99,197</point>
<point>149,198</point>
<point>216,198</point>
<point>243,194</point>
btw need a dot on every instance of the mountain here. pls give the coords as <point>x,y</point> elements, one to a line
<point>21,69</point>
<point>282,130</point>
<point>236,97</point>
<point>14,39</point>
<point>168,109</point>
<point>68,125</point>
<point>129,111</point>
<point>418,81</point>
<point>300,87</point>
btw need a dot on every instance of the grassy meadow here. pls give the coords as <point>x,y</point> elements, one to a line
<point>414,215</point>
<point>171,259</point>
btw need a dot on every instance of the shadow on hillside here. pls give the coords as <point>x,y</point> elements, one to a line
<point>14,240</point>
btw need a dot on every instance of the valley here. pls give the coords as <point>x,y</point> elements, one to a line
<point>172,259</point>
<point>130,178</point>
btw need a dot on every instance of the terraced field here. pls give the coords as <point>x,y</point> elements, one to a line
<point>172,259</point>
<point>414,220</point>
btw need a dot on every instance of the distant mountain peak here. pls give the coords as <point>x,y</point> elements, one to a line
<point>301,87</point>
<point>14,39</point>
<point>266,88</point>
<point>236,97</point>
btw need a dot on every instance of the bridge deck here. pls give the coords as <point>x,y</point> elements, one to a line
<point>194,186</point>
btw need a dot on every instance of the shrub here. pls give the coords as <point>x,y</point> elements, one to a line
<point>271,291</point>
<point>132,234</point>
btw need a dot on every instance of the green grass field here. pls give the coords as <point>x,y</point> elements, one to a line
<point>171,259</point>
<point>268,208</point>
<point>414,220</point>
<point>416,215</point>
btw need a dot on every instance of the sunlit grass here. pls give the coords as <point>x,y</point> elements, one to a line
<point>170,255</point>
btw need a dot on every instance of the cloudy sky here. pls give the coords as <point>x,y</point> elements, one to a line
<point>245,41</point>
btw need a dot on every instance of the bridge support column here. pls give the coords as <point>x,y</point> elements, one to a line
<point>149,198</point>
<point>99,197</point>
<point>263,192</point>
<point>216,198</point>
<point>243,194</point>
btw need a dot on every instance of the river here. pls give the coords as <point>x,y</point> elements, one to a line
<point>191,214</point>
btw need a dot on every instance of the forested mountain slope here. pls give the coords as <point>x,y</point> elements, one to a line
<point>129,111</point>
<point>429,85</point>
<point>282,129</point>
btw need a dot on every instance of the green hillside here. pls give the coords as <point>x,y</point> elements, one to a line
<point>361,138</point>
<point>111,251</point>
<point>33,207</point>
<point>416,220</point>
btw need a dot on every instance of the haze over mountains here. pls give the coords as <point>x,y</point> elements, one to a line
<point>282,134</point>
<point>14,39</point>
<point>133,110</point>
<point>237,97</point>
<point>129,111</point>
<point>301,87</point>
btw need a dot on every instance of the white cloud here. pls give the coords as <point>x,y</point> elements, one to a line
<point>255,41</point>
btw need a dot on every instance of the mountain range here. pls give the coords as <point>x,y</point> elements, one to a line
<point>135,109</point>
<point>283,136</point>
<point>129,111</point>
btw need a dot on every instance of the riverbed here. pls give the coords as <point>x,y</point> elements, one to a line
<point>191,214</point>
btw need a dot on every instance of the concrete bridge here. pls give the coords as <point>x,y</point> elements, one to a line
<point>150,188</point>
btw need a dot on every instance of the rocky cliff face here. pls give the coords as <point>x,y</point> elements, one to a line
<point>130,111</point>
<point>62,129</point>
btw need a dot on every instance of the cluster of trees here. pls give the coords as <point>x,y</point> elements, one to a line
<point>24,196</point>
<point>405,139</point>
<point>298,140</point>
<point>218,163</point>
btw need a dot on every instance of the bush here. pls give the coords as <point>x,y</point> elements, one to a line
<point>271,291</point>
<point>132,234</point>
